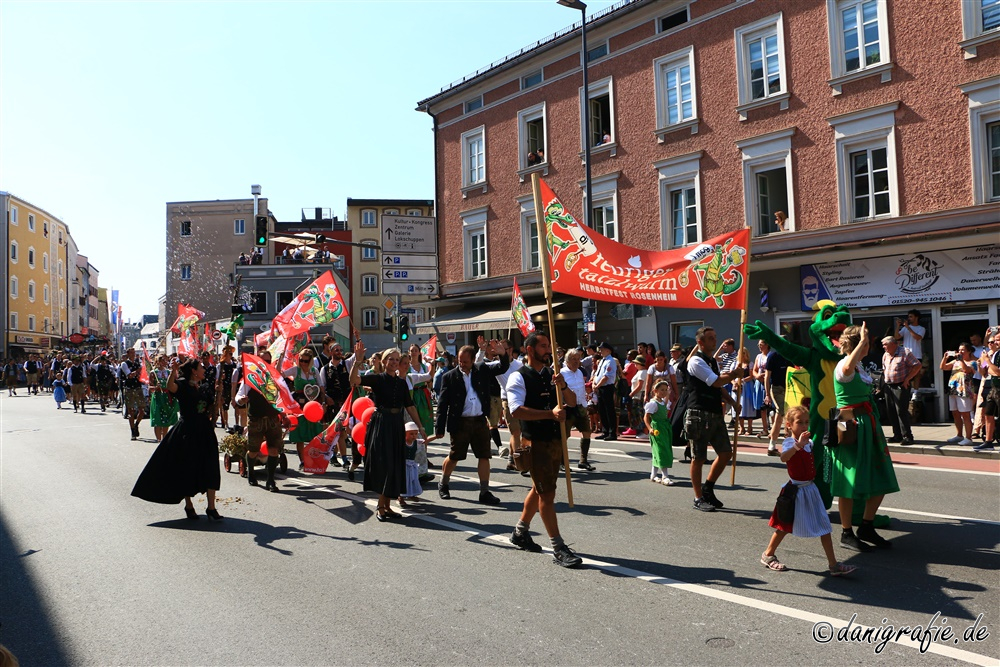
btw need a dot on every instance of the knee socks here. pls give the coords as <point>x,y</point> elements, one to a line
<point>584,448</point>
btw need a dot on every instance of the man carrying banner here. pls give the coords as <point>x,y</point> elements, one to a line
<point>264,425</point>
<point>532,400</point>
<point>132,396</point>
<point>462,407</point>
<point>337,375</point>
<point>704,423</point>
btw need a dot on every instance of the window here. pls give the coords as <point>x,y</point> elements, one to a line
<point>13,252</point>
<point>473,104</point>
<point>186,228</point>
<point>45,294</point>
<point>60,237</point>
<point>31,322</point>
<point>369,218</point>
<point>282,299</point>
<point>980,24</point>
<point>45,262</point>
<point>984,130</point>
<point>13,215</point>
<point>369,318</point>
<point>31,256</point>
<point>414,211</point>
<point>391,211</point>
<point>45,228</point>
<point>603,218</point>
<point>596,52</point>
<point>13,287</point>
<point>31,291</point>
<point>601,113</point>
<point>671,21</point>
<point>859,41</point>
<point>369,253</point>
<point>474,237</point>
<point>31,222</point>
<point>339,262</point>
<point>474,157</point>
<point>866,163</point>
<point>369,284</point>
<point>675,92</point>
<point>13,321</point>
<point>531,137</point>
<point>530,260</point>
<point>531,80</point>
<point>683,332</point>
<point>760,65</point>
<point>62,298</point>
<point>767,178</point>
<point>185,272</point>
<point>239,226</point>
<point>680,191</point>
<point>60,268</point>
<point>45,324</point>
<point>258,301</point>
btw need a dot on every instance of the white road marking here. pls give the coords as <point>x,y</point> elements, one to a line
<point>726,596</point>
<point>950,517</point>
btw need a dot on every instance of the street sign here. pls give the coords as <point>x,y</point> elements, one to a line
<point>216,334</point>
<point>398,261</point>
<point>409,234</point>
<point>388,304</point>
<point>407,287</point>
<point>409,274</point>
<point>408,311</point>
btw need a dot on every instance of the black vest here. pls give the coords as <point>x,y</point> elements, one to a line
<point>539,394</point>
<point>338,382</point>
<point>132,366</point>
<point>706,398</point>
<point>258,407</point>
<point>32,367</point>
<point>76,374</point>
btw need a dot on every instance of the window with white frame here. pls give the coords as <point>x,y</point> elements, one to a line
<point>13,215</point>
<point>369,318</point>
<point>531,80</point>
<point>866,163</point>
<point>473,104</point>
<point>414,211</point>
<point>31,322</point>
<point>369,218</point>
<point>13,287</point>
<point>984,133</point>
<point>859,40</point>
<point>369,283</point>
<point>62,298</point>
<point>980,24</point>
<point>239,226</point>
<point>45,228</point>
<point>474,157</point>
<point>603,212</point>
<point>258,302</point>
<point>673,20</point>
<point>391,211</point>
<point>680,193</point>
<point>767,181</point>
<point>31,291</point>
<point>45,294</point>
<point>530,259</point>
<point>31,222</point>
<point>760,64</point>
<point>31,256</point>
<point>13,252</point>
<point>13,321</point>
<point>600,110</point>
<point>281,299</point>
<point>60,264</point>
<point>369,252</point>
<point>185,272</point>
<point>185,228</point>
<point>45,324</point>
<point>45,262</point>
<point>675,91</point>
<point>474,241</point>
<point>532,150</point>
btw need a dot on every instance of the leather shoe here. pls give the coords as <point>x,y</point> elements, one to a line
<point>487,498</point>
<point>444,492</point>
<point>906,442</point>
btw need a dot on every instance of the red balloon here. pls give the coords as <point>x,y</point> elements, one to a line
<point>358,433</point>
<point>293,420</point>
<point>367,416</point>
<point>362,449</point>
<point>313,411</point>
<point>263,449</point>
<point>360,405</point>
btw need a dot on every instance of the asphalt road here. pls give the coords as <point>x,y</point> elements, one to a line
<point>92,576</point>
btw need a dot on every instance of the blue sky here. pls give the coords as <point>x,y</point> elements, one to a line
<point>108,110</point>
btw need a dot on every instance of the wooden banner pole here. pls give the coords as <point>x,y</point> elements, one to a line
<point>743,353</point>
<point>543,257</point>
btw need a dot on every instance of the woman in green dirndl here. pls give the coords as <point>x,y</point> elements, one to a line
<point>862,470</point>
<point>308,384</point>
<point>418,377</point>
<point>163,408</point>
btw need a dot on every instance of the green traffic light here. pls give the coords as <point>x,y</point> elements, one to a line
<point>404,336</point>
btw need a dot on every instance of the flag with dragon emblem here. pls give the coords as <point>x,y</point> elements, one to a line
<point>319,303</point>
<point>263,377</point>
<point>185,327</point>
<point>710,274</point>
<point>520,311</point>
<point>317,454</point>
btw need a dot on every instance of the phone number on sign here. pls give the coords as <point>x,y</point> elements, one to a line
<point>936,630</point>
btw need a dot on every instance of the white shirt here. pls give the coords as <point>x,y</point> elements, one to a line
<point>909,341</point>
<point>977,354</point>
<point>68,375</point>
<point>502,379</point>
<point>515,392</point>
<point>638,380</point>
<point>844,374</point>
<point>576,383</point>
<point>653,407</point>
<point>699,368</point>
<point>413,378</point>
<point>473,406</point>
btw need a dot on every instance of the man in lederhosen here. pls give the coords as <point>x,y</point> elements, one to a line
<point>264,424</point>
<point>337,375</point>
<point>132,397</point>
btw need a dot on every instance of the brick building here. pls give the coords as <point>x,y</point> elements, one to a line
<point>711,115</point>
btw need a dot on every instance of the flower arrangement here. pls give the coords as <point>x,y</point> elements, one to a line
<point>234,444</point>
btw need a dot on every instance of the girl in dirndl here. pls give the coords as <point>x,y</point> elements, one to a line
<point>810,518</point>
<point>661,436</point>
<point>411,447</point>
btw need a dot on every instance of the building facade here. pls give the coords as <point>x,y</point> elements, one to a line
<point>712,115</point>
<point>369,308</point>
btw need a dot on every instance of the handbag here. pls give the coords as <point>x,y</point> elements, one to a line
<point>840,430</point>
<point>522,457</point>
<point>784,506</point>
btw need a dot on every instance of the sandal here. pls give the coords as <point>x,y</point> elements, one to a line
<point>772,563</point>
<point>842,569</point>
<point>667,481</point>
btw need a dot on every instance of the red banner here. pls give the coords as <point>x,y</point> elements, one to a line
<point>317,454</point>
<point>520,311</point>
<point>429,350</point>
<point>262,339</point>
<point>711,274</point>
<point>319,303</point>
<point>187,317</point>
<point>264,378</point>
<point>285,351</point>
<point>147,367</point>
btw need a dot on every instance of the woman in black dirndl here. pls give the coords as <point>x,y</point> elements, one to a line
<point>186,462</point>
<point>385,456</point>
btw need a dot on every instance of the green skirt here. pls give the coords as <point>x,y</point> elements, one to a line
<point>424,411</point>
<point>163,410</point>
<point>863,469</point>
<point>306,430</point>
<point>662,444</point>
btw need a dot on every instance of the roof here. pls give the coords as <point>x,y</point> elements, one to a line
<point>151,329</point>
<point>389,202</point>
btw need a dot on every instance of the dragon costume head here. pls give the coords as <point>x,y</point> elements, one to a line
<point>828,323</point>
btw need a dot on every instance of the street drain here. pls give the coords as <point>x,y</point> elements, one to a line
<point>720,642</point>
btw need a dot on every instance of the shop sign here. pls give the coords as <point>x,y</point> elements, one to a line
<point>965,274</point>
<point>76,338</point>
<point>24,340</point>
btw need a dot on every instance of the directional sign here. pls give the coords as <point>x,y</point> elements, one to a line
<point>409,274</point>
<point>409,260</point>
<point>409,234</point>
<point>407,287</point>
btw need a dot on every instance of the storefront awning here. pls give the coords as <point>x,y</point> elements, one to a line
<point>473,319</point>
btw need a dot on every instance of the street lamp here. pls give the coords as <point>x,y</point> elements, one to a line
<point>576,4</point>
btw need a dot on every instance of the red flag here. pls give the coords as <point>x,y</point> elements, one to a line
<point>285,351</point>
<point>711,274</point>
<point>317,454</point>
<point>520,311</point>
<point>263,339</point>
<point>188,345</point>
<point>264,378</point>
<point>147,365</point>
<point>187,317</point>
<point>429,349</point>
<point>319,303</point>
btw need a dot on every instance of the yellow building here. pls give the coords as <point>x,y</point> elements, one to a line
<point>37,309</point>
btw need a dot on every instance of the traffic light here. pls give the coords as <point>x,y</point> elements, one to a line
<point>404,328</point>
<point>320,239</point>
<point>388,325</point>
<point>260,232</point>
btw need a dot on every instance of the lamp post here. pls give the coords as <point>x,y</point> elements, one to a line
<point>576,4</point>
